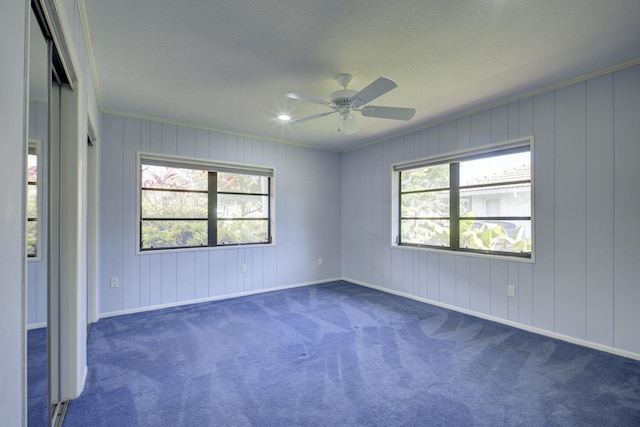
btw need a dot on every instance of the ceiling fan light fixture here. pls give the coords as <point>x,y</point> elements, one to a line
<point>284,117</point>
<point>349,124</point>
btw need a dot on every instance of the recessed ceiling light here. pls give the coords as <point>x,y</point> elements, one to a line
<point>284,117</point>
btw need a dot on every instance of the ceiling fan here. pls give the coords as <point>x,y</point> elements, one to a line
<point>346,101</point>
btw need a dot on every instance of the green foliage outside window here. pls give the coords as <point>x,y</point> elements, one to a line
<point>175,208</point>
<point>500,185</point>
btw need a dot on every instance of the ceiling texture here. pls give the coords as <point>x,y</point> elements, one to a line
<point>226,64</point>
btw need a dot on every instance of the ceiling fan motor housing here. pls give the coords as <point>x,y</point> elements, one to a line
<point>342,98</point>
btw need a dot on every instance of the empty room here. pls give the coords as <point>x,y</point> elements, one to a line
<point>296,212</point>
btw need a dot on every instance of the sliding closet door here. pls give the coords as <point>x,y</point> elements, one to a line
<point>37,250</point>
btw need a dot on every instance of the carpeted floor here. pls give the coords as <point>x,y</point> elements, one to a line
<point>37,377</point>
<point>338,354</point>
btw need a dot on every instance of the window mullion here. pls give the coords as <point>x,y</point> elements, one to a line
<point>213,208</point>
<point>454,200</point>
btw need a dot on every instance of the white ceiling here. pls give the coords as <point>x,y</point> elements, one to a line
<point>226,64</point>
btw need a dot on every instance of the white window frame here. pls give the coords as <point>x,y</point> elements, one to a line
<point>448,158</point>
<point>203,164</point>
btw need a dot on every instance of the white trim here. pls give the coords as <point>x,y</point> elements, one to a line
<point>86,34</point>
<point>36,325</point>
<point>526,141</point>
<point>528,328</point>
<point>215,298</point>
<point>199,163</point>
<point>465,253</point>
<point>216,130</point>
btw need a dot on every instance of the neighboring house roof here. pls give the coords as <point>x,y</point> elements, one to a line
<point>517,173</point>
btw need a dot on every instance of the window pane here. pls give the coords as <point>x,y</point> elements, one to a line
<point>504,200</point>
<point>242,231</point>
<point>241,183</point>
<point>32,168</point>
<point>169,204</point>
<point>505,236</point>
<point>425,232</point>
<point>431,204</point>
<point>174,178</point>
<point>427,178</point>
<point>492,170</point>
<point>32,238</point>
<point>242,206</point>
<point>168,234</point>
<point>32,201</point>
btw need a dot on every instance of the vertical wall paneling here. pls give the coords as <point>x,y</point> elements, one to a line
<point>499,280</point>
<point>217,146</point>
<point>307,209</point>
<point>111,201</point>
<point>447,269</point>
<point>500,123</point>
<point>232,271</point>
<point>599,210</point>
<point>480,285</point>
<point>168,141</point>
<point>155,279</point>
<point>202,144</point>
<point>381,194</point>
<point>524,294</point>
<point>544,195</point>
<point>185,276</point>
<point>463,290</point>
<point>514,123</point>
<point>570,203</point>
<point>145,279</point>
<point>433,276</point>
<point>130,281</point>
<point>387,154</point>
<point>217,273</point>
<point>448,139</point>
<point>463,133</point>
<point>512,280</point>
<point>202,275</point>
<point>283,195</point>
<point>481,128</point>
<point>626,207</point>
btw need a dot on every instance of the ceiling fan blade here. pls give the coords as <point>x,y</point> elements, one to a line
<point>306,119</point>
<point>306,98</point>
<point>378,88</point>
<point>394,113</point>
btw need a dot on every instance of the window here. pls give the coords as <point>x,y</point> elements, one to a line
<point>33,200</point>
<point>476,201</point>
<point>186,203</point>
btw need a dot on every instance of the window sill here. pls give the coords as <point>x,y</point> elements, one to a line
<point>467,254</point>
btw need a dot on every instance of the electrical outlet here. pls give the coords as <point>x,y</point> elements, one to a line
<point>511,291</point>
<point>114,282</point>
<point>320,261</point>
<point>243,268</point>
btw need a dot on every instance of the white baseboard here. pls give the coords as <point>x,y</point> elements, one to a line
<point>37,325</point>
<point>214,298</point>
<point>528,328</point>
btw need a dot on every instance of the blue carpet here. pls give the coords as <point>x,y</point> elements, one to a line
<point>338,354</point>
<point>37,377</point>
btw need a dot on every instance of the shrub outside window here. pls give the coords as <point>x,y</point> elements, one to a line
<point>189,203</point>
<point>475,201</point>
